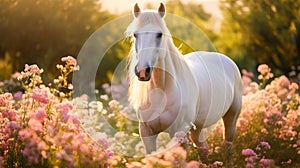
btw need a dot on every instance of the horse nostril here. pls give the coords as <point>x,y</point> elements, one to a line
<point>148,71</point>
<point>136,71</point>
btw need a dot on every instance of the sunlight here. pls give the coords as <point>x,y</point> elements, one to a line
<point>117,6</point>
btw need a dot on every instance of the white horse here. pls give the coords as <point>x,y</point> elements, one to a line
<point>172,92</point>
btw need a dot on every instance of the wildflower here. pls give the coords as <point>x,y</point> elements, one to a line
<point>266,163</point>
<point>70,60</point>
<point>247,74</point>
<point>6,100</point>
<point>181,137</point>
<point>11,115</point>
<point>70,86</point>
<point>266,145</point>
<point>104,97</point>
<point>35,124</point>
<point>287,162</point>
<point>75,120</point>
<point>97,105</point>
<point>18,95</point>
<point>192,164</point>
<point>13,125</point>
<point>294,86</point>
<point>109,154</point>
<point>39,114</point>
<point>248,152</point>
<point>30,70</point>
<point>40,95</point>
<point>63,109</point>
<point>265,72</point>
<point>63,155</point>
<point>113,104</point>
<point>263,69</point>
<point>33,69</point>
<point>104,142</point>
<point>106,88</point>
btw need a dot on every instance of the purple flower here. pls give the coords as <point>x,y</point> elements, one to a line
<point>265,163</point>
<point>248,152</point>
<point>18,95</point>
<point>265,145</point>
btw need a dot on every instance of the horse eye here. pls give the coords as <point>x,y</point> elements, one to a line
<point>135,35</point>
<point>159,35</point>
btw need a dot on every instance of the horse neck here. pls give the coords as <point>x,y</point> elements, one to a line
<point>169,69</point>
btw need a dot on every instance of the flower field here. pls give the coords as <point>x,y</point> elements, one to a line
<point>43,126</point>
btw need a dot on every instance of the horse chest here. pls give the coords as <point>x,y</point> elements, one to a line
<point>159,119</point>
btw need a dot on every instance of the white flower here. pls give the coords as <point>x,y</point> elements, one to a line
<point>104,97</point>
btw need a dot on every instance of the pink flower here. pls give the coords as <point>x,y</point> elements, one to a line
<point>109,154</point>
<point>250,165</point>
<point>18,95</point>
<point>41,145</point>
<point>284,81</point>
<point>192,164</point>
<point>266,145</point>
<point>34,69</point>
<point>104,142</point>
<point>294,86</point>
<point>25,134</point>
<point>263,69</point>
<point>15,75</point>
<point>265,72</point>
<point>39,114</point>
<point>6,100</point>
<point>248,152</point>
<point>75,120</point>
<point>40,95</point>
<point>63,109</point>
<point>265,163</point>
<point>4,114</point>
<point>287,162</point>
<point>70,60</point>
<point>12,114</point>
<point>247,74</point>
<point>35,125</point>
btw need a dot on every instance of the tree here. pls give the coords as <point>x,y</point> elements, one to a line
<point>43,31</point>
<point>266,30</point>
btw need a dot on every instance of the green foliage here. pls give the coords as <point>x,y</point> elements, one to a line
<point>43,31</point>
<point>195,15</point>
<point>39,32</point>
<point>5,67</point>
<point>266,31</point>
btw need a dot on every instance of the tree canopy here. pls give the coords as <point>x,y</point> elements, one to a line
<point>266,30</point>
<point>43,31</point>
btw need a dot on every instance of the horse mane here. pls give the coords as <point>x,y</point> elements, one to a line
<point>138,91</point>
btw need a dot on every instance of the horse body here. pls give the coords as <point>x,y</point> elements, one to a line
<point>219,82</point>
<point>172,92</point>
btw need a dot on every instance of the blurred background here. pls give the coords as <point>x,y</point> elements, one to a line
<point>250,32</point>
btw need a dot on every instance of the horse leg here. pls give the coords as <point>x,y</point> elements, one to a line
<point>229,120</point>
<point>148,138</point>
<point>202,146</point>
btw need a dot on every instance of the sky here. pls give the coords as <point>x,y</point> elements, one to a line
<point>119,6</point>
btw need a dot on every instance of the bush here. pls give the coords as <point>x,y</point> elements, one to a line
<point>43,127</point>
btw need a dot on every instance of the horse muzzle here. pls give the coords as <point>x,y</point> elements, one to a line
<point>143,73</point>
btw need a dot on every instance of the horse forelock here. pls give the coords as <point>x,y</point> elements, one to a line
<point>145,18</point>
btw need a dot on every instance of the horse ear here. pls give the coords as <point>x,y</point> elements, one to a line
<point>162,10</point>
<point>136,10</point>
